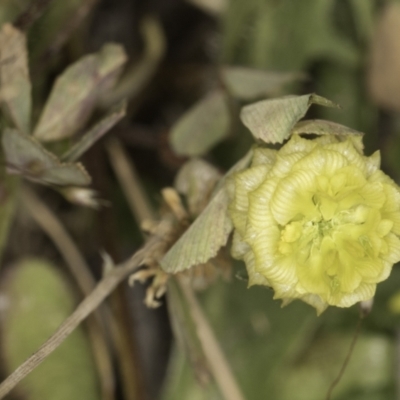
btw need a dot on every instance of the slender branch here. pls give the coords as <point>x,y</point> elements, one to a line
<point>152,248</point>
<point>347,359</point>
<point>129,181</point>
<point>211,348</point>
<point>97,331</point>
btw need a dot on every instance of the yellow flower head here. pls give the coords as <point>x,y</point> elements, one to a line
<point>317,221</point>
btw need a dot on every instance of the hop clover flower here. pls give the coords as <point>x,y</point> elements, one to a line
<point>317,221</point>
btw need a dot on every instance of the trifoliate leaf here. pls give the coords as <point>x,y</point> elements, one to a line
<point>36,300</point>
<point>248,83</point>
<point>77,91</point>
<point>196,180</point>
<point>15,85</point>
<point>27,157</point>
<point>95,133</point>
<point>272,120</point>
<point>322,127</point>
<point>202,127</point>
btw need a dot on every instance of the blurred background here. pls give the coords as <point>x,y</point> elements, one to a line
<point>181,54</point>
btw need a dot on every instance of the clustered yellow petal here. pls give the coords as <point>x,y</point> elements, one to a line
<point>317,221</point>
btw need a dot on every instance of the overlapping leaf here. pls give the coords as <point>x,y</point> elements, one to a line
<point>209,232</point>
<point>202,127</point>
<point>15,85</point>
<point>26,156</point>
<point>195,180</point>
<point>248,83</point>
<point>272,120</point>
<point>77,91</point>
<point>323,127</point>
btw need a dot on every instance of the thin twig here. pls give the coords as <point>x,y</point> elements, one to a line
<point>129,181</point>
<point>50,224</point>
<point>211,348</point>
<point>347,359</point>
<point>155,245</point>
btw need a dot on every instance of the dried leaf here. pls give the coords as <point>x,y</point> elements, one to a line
<point>384,71</point>
<point>15,85</point>
<point>95,133</point>
<point>248,83</point>
<point>322,127</point>
<point>272,120</point>
<point>196,180</point>
<point>77,91</point>
<point>36,300</point>
<point>202,127</point>
<point>26,156</point>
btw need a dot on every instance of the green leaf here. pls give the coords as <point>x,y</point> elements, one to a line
<point>272,120</point>
<point>207,234</point>
<point>322,127</point>
<point>15,85</point>
<point>77,91</point>
<point>26,156</point>
<point>95,133</point>
<point>249,83</point>
<point>202,127</point>
<point>37,301</point>
<point>196,180</point>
